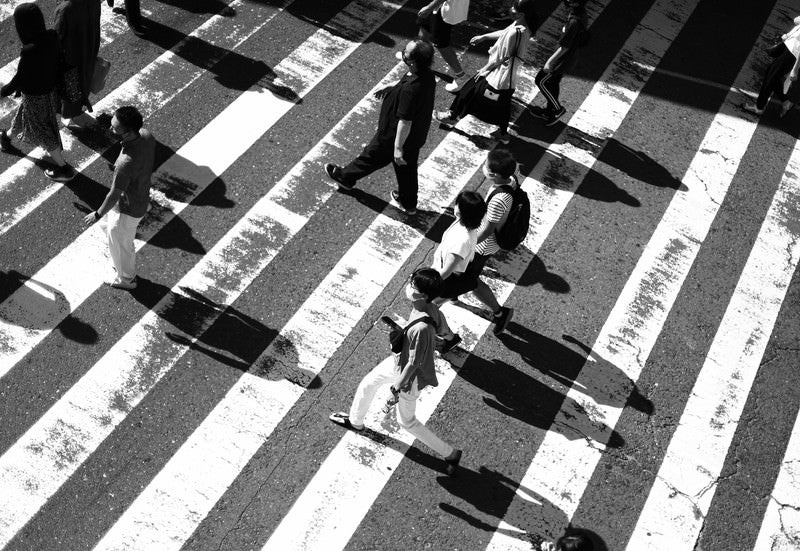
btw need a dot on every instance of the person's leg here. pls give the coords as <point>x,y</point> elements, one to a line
<point>773,79</point>
<point>549,84</point>
<point>451,58</point>
<point>374,157</point>
<point>406,416</point>
<point>486,296</point>
<point>382,374</point>
<point>408,180</point>
<point>121,235</point>
<point>57,155</point>
<point>133,14</point>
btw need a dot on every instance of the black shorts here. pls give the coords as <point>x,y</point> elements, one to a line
<point>458,284</point>
<point>437,28</point>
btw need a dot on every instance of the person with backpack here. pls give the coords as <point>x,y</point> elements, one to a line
<point>573,36</point>
<point>409,371</point>
<point>504,227</point>
<point>488,94</point>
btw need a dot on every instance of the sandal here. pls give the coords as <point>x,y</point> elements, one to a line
<point>343,420</point>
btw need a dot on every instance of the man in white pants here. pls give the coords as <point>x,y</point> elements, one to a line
<point>129,197</point>
<point>409,371</point>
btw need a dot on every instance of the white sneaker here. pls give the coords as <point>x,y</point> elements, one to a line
<point>456,85</point>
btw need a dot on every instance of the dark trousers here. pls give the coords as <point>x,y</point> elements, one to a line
<point>133,13</point>
<point>774,77</point>
<point>379,154</point>
<point>550,85</point>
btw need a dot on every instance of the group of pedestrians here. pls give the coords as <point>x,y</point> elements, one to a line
<point>474,236</point>
<point>55,75</point>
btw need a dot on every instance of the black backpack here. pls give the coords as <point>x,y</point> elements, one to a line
<point>515,228</point>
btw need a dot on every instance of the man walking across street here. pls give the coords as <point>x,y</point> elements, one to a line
<point>127,200</point>
<point>409,371</point>
<point>436,22</point>
<point>403,125</point>
<point>573,35</point>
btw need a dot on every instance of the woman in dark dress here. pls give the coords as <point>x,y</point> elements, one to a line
<point>37,74</point>
<point>77,23</point>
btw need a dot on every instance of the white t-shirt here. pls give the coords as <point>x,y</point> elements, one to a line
<point>457,240</point>
<point>513,42</point>
<point>792,41</point>
<point>454,11</point>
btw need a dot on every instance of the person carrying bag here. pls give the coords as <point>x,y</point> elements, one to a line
<point>488,94</point>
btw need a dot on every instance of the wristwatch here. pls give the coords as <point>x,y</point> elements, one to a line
<point>96,216</point>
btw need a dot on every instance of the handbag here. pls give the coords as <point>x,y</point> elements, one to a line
<point>775,49</point>
<point>101,69</point>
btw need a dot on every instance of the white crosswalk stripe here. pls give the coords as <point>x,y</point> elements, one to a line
<point>167,508</point>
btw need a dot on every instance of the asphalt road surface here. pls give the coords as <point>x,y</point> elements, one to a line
<point>645,392</point>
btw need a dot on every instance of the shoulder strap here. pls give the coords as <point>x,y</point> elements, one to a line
<point>514,56</point>
<point>423,319</point>
<point>505,188</point>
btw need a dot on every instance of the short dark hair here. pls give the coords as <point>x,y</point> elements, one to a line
<point>577,542</point>
<point>527,8</point>
<point>500,161</point>
<point>129,117</point>
<point>472,208</point>
<point>421,54</point>
<point>427,281</point>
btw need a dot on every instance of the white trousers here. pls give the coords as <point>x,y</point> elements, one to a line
<point>385,373</point>
<point>121,231</point>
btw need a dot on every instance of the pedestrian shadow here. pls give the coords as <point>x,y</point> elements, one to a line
<point>536,272</point>
<point>600,379</point>
<point>204,7</point>
<point>421,221</point>
<point>639,165</point>
<point>514,393</point>
<point>230,68</point>
<point>39,307</point>
<point>494,497</point>
<point>220,332</point>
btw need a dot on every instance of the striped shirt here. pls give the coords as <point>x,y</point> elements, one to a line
<point>496,211</point>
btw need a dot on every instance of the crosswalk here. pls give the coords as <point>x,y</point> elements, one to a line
<point>191,413</point>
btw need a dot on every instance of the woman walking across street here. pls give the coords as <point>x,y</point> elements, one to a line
<point>781,75</point>
<point>37,74</point>
<point>77,23</point>
<point>488,95</point>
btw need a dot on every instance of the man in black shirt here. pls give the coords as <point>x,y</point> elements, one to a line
<point>403,125</point>
<point>573,35</point>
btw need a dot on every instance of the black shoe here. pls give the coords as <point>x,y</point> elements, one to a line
<point>61,173</point>
<point>553,116</point>
<point>394,200</point>
<point>139,30</point>
<point>5,141</point>
<point>334,172</point>
<point>538,111</point>
<point>449,344</point>
<point>452,462</point>
<point>501,320</point>
<point>343,420</point>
